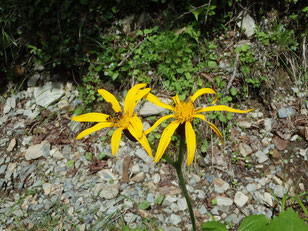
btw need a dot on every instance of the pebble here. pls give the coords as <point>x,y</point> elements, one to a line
<point>11,145</point>
<point>251,187</point>
<point>109,191</point>
<point>240,199</point>
<point>285,112</point>
<point>268,124</point>
<point>156,178</point>
<point>37,151</point>
<point>47,187</point>
<point>245,149</point>
<point>220,185</point>
<point>175,219</point>
<point>106,175</point>
<point>139,177</point>
<point>182,205</point>
<point>224,201</point>
<point>48,93</point>
<point>261,156</point>
<point>279,190</point>
<point>267,197</point>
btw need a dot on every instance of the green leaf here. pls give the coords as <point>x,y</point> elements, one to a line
<point>197,12</point>
<point>102,156</point>
<point>88,156</point>
<point>233,91</point>
<point>212,64</point>
<point>305,9</point>
<point>144,205</point>
<point>254,223</point>
<point>213,226</point>
<point>287,221</point>
<point>70,163</point>
<point>159,199</point>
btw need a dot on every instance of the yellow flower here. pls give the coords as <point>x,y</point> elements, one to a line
<point>184,113</point>
<point>124,121</point>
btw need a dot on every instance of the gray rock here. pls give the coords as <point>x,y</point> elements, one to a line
<point>33,80</point>
<point>262,157</point>
<point>240,199</point>
<point>139,177</point>
<point>31,114</point>
<point>279,190</point>
<point>10,104</point>
<point>224,201</point>
<point>175,219</point>
<point>38,150</point>
<point>268,124</point>
<point>47,187</point>
<point>182,205</point>
<point>202,209</point>
<point>47,94</point>
<point>2,169</point>
<point>285,112</point>
<point>251,187</point>
<point>106,175</point>
<point>246,23</point>
<point>156,178</point>
<point>267,197</point>
<point>245,149</point>
<point>244,124</point>
<point>220,185</point>
<point>144,155</point>
<point>109,191</point>
<point>3,119</point>
<point>149,109</point>
<point>129,218</point>
<point>194,180</point>
<point>38,67</point>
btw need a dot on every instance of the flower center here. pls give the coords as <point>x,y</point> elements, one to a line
<point>184,111</point>
<point>124,121</point>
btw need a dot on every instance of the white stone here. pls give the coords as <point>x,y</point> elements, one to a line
<point>268,124</point>
<point>156,178</point>
<point>33,80</point>
<point>135,169</point>
<point>224,201</point>
<point>251,187</point>
<point>267,197</point>
<point>38,150</point>
<point>247,23</point>
<point>244,124</point>
<point>129,218</point>
<point>57,154</point>
<point>10,103</point>
<point>240,199</point>
<point>48,93</point>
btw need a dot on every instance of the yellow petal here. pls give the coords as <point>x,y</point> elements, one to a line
<point>91,117</point>
<point>131,94</point>
<point>153,99</point>
<point>202,92</point>
<point>95,128</point>
<point>191,142</point>
<point>176,99</point>
<point>145,143</point>
<point>215,129</point>
<point>135,127</point>
<point>110,99</point>
<point>137,98</point>
<point>158,122</point>
<point>165,139</point>
<point>222,108</point>
<point>115,140</point>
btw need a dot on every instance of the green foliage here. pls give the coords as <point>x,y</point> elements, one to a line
<point>159,200</point>
<point>144,205</point>
<point>285,221</point>
<point>70,163</point>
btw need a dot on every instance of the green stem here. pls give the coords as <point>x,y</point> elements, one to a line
<point>178,167</point>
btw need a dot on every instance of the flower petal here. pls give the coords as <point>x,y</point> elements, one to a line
<point>91,117</point>
<point>191,142</point>
<point>165,139</point>
<point>115,140</point>
<point>135,127</point>
<point>203,91</point>
<point>137,98</point>
<point>145,143</point>
<point>158,122</point>
<point>153,99</point>
<point>222,108</point>
<point>176,99</point>
<point>110,99</point>
<point>131,94</point>
<point>95,128</point>
<point>215,129</point>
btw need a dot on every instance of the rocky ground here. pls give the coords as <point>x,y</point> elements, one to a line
<point>48,180</point>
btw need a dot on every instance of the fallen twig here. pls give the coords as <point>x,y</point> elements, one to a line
<point>233,74</point>
<point>130,53</point>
